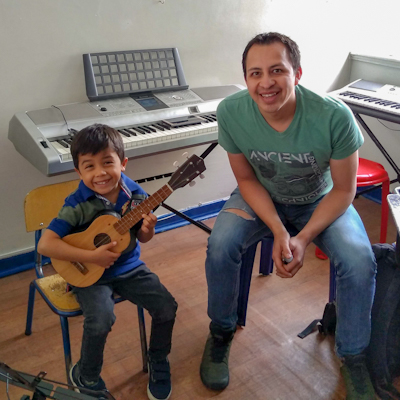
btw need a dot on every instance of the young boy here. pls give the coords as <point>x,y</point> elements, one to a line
<point>99,160</point>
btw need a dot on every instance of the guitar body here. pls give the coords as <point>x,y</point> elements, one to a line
<point>101,231</point>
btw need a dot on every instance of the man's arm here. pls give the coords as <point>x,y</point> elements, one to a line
<point>332,206</point>
<point>258,198</point>
<point>51,245</point>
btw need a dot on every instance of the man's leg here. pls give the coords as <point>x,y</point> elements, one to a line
<point>236,228</point>
<point>347,245</point>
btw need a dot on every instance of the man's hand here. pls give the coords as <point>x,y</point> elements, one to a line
<point>297,247</point>
<point>282,250</point>
<point>104,256</point>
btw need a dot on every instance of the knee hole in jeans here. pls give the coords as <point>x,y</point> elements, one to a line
<point>240,213</point>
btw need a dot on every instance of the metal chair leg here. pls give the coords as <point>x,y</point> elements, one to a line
<point>244,285</point>
<point>332,283</point>
<point>143,339</point>
<point>31,303</point>
<point>266,262</point>
<point>66,344</point>
<point>384,211</point>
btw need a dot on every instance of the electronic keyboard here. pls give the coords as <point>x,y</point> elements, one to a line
<point>373,99</point>
<point>149,123</point>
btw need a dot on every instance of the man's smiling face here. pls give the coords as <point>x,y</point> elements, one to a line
<point>271,80</point>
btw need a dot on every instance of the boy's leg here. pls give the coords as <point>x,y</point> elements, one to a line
<point>236,228</point>
<point>98,309</point>
<point>143,287</point>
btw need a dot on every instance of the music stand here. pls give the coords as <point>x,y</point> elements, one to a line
<point>43,388</point>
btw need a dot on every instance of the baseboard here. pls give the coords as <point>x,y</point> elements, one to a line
<point>374,195</point>
<point>22,262</point>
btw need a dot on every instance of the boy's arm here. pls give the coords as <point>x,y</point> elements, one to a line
<point>51,245</point>
<point>147,231</point>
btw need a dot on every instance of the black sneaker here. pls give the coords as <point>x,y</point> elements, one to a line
<point>79,383</point>
<point>159,387</point>
<point>214,368</point>
<point>356,378</point>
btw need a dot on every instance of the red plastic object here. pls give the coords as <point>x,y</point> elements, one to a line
<point>371,173</point>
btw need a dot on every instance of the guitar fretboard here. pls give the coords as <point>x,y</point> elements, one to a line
<point>134,216</point>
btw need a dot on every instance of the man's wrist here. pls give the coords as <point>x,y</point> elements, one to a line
<point>305,236</point>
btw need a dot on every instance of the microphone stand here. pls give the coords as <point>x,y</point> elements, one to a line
<point>43,388</point>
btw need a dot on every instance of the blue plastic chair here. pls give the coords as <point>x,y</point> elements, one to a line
<point>41,206</point>
<point>266,268</point>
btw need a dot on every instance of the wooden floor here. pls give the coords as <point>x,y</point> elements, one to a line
<point>268,360</point>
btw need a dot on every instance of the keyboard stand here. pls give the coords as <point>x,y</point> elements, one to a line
<point>199,224</point>
<point>378,143</point>
<point>394,205</point>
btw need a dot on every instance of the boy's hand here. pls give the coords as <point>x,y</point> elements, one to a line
<point>149,222</point>
<point>104,256</point>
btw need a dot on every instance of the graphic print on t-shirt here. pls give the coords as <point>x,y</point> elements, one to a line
<point>289,177</point>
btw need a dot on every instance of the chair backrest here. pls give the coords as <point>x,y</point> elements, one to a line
<point>40,207</point>
<point>43,204</point>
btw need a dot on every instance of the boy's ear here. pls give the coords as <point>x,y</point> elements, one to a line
<point>123,163</point>
<point>77,171</point>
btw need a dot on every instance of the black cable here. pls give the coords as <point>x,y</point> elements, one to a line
<point>395,130</point>
<point>70,130</point>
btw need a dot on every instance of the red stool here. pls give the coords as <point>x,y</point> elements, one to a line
<point>371,173</point>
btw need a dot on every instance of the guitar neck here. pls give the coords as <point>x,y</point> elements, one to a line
<point>134,216</point>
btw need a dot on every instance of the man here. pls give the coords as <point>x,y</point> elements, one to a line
<point>294,155</point>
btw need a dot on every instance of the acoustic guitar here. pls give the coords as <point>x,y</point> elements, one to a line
<point>109,228</point>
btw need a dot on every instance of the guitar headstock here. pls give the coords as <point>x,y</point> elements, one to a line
<point>188,171</point>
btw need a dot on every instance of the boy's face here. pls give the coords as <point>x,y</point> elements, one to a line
<point>271,80</point>
<point>101,172</point>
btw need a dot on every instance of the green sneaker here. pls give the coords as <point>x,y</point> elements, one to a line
<point>356,378</point>
<point>214,369</point>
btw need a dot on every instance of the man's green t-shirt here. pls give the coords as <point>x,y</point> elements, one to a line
<point>292,165</point>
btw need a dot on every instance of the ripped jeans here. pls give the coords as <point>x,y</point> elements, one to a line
<point>345,242</point>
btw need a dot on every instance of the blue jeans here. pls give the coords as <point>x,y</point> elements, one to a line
<point>143,288</point>
<point>345,242</point>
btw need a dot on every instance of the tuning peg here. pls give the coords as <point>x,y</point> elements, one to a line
<point>201,176</point>
<point>185,154</point>
<point>192,183</point>
<point>176,164</point>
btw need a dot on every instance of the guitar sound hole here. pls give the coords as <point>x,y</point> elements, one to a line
<point>101,238</point>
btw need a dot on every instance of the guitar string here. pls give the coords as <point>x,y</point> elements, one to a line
<point>162,193</point>
<point>127,220</point>
<point>135,213</point>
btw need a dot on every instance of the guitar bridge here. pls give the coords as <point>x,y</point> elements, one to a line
<point>80,267</point>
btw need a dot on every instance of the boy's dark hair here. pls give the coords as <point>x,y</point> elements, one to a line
<point>96,138</point>
<point>274,37</point>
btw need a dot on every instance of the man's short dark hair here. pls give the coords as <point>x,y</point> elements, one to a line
<point>274,37</point>
<point>96,138</point>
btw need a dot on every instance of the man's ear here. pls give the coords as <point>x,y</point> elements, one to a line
<point>123,163</point>
<point>298,75</point>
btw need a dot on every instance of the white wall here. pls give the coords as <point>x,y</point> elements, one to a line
<point>42,42</point>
